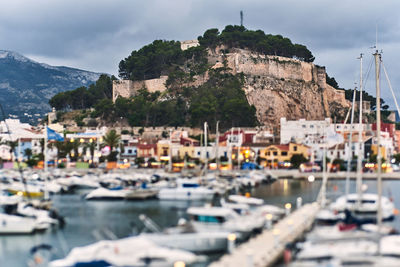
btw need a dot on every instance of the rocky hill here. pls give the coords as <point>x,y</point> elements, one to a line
<point>26,86</point>
<point>284,87</point>
<point>276,86</point>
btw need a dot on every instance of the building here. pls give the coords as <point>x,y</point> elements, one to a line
<point>26,136</point>
<point>147,151</point>
<point>314,134</point>
<point>273,155</point>
<point>189,43</point>
<point>343,151</point>
<point>305,132</point>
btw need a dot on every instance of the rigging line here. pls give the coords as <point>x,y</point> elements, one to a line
<point>322,191</point>
<point>367,75</point>
<point>391,89</point>
<point>12,152</point>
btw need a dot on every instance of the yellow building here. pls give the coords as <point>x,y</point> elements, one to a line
<point>186,151</point>
<point>163,151</point>
<point>274,154</point>
<point>374,150</point>
<point>177,150</point>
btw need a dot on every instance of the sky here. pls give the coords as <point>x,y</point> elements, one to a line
<point>96,35</point>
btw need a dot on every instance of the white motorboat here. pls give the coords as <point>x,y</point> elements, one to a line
<point>12,224</point>
<point>85,182</point>
<point>186,190</point>
<point>105,193</point>
<point>197,242</point>
<point>131,251</point>
<point>246,200</point>
<point>255,205</point>
<point>368,207</point>
<point>351,251</point>
<point>121,193</point>
<point>184,236</point>
<point>140,193</point>
<point>205,219</point>
<point>42,216</point>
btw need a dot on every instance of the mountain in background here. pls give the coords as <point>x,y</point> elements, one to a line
<point>26,85</point>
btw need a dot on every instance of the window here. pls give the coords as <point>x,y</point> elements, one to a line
<point>295,148</point>
<point>275,153</point>
<point>304,126</point>
<point>284,153</point>
<point>129,151</point>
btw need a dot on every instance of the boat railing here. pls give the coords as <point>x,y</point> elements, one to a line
<point>150,224</point>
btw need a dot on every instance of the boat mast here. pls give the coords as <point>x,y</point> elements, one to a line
<point>217,146</point>
<point>205,145</point>
<point>359,144</point>
<point>350,144</point>
<point>170,151</point>
<point>377,56</point>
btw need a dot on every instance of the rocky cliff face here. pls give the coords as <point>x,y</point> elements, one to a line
<point>276,86</point>
<point>282,87</point>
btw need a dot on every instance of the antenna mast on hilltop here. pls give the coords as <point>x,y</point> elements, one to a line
<point>241,18</point>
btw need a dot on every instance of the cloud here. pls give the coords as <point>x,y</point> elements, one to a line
<point>96,35</point>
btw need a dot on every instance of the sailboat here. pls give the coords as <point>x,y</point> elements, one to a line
<point>356,248</point>
<point>365,207</point>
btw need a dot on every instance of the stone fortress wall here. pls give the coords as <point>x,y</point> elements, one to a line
<point>276,86</point>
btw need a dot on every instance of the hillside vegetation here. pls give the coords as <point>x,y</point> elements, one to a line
<point>220,98</point>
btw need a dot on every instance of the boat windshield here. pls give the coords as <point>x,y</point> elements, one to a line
<point>209,219</point>
<point>365,201</point>
<point>190,185</point>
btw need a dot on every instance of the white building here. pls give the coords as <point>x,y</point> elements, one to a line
<point>315,134</point>
<point>210,152</point>
<point>23,133</point>
<point>305,132</point>
<point>343,151</point>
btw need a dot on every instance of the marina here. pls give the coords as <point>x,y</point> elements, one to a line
<point>237,148</point>
<point>90,221</point>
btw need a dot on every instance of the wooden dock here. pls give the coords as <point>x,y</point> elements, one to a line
<point>266,248</point>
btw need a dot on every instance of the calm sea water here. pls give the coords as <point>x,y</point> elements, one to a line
<point>87,221</point>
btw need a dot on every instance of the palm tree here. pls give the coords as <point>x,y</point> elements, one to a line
<point>28,153</point>
<point>92,147</point>
<point>13,145</point>
<point>112,139</point>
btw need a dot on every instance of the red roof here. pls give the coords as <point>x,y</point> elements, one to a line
<point>282,147</point>
<point>147,146</point>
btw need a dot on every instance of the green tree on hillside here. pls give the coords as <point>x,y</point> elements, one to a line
<point>82,97</point>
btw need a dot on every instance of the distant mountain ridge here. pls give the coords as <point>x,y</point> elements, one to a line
<point>26,85</point>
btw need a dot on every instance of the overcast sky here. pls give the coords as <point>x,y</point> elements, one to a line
<point>96,34</point>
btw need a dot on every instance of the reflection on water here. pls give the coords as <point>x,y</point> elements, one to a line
<point>86,220</point>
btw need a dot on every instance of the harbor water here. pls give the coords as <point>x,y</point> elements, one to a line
<point>90,221</point>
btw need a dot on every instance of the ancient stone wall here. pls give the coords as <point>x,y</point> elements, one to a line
<point>276,86</point>
<point>128,88</point>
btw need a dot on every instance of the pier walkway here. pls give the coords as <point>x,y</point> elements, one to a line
<point>266,248</point>
<point>295,174</point>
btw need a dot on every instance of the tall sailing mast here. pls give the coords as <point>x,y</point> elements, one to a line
<point>377,56</point>
<point>360,143</point>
